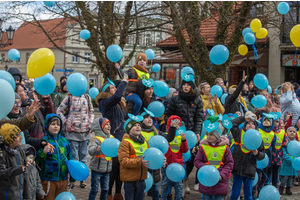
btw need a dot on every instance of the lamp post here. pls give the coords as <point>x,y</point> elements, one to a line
<point>10,35</point>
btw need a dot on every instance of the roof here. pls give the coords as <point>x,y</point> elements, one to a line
<point>30,36</point>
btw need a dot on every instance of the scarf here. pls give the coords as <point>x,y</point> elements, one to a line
<point>148,129</point>
<point>139,140</point>
<point>187,97</point>
<point>10,150</point>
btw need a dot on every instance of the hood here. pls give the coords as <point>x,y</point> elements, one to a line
<point>102,95</point>
<point>14,71</point>
<point>255,123</point>
<point>222,141</point>
<point>268,130</point>
<point>171,118</point>
<point>25,147</point>
<point>96,128</point>
<point>170,94</point>
<point>48,117</point>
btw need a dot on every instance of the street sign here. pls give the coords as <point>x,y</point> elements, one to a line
<point>69,70</point>
<point>60,70</point>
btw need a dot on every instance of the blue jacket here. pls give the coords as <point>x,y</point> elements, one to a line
<point>290,103</point>
<point>112,110</point>
<point>286,167</point>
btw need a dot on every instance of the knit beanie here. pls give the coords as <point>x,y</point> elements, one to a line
<point>191,83</point>
<point>17,96</point>
<point>291,127</point>
<point>9,133</point>
<point>29,152</point>
<point>103,121</point>
<point>217,133</point>
<point>141,56</point>
<point>130,124</point>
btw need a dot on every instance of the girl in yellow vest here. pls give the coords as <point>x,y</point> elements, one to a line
<point>100,165</point>
<point>215,151</point>
<point>133,168</point>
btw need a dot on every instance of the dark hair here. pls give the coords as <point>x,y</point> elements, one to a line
<point>121,103</point>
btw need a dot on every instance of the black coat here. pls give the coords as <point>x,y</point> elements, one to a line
<point>244,164</point>
<point>189,110</point>
<point>231,104</point>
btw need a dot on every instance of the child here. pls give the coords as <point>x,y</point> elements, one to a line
<point>100,165</point>
<point>287,171</point>
<point>133,168</point>
<point>35,186</point>
<point>174,155</point>
<point>13,167</point>
<point>215,144</point>
<point>53,162</point>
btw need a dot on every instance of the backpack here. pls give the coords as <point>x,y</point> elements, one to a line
<point>69,104</point>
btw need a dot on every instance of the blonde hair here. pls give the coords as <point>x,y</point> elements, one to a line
<point>285,85</point>
<point>202,86</point>
<point>218,80</point>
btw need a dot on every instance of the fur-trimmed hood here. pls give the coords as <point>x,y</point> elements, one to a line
<point>102,95</point>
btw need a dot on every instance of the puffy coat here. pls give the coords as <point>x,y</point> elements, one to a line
<point>218,108</point>
<point>189,110</point>
<point>286,167</point>
<point>221,188</point>
<point>244,164</point>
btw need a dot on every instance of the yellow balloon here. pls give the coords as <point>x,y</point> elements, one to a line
<point>40,63</point>
<point>255,25</point>
<point>243,49</point>
<point>261,33</point>
<point>295,35</point>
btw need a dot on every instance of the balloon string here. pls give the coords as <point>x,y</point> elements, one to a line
<point>296,62</point>
<point>255,52</point>
<point>268,183</point>
<point>244,61</point>
<point>211,64</point>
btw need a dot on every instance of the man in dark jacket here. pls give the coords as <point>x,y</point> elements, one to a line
<point>244,160</point>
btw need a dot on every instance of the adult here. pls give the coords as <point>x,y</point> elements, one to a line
<point>245,91</point>
<point>16,74</point>
<point>61,95</point>
<point>220,82</point>
<point>113,108</point>
<point>78,121</point>
<point>210,102</point>
<point>188,106</point>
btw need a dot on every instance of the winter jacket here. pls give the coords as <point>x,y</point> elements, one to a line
<point>290,103</point>
<point>23,123</point>
<point>218,109</point>
<point>98,164</point>
<point>80,117</point>
<point>13,181</point>
<point>112,110</point>
<point>35,187</point>
<point>275,108</point>
<point>132,85</point>
<point>58,99</point>
<point>277,154</point>
<point>221,188</point>
<point>54,166</point>
<point>286,168</point>
<point>131,169</point>
<point>189,108</point>
<point>244,164</point>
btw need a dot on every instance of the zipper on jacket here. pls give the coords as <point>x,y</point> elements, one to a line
<point>99,163</point>
<point>19,176</point>
<point>58,157</point>
<point>107,166</point>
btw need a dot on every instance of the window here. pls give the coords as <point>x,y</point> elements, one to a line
<point>148,39</point>
<point>257,10</point>
<point>75,59</point>
<point>289,22</point>
<point>27,57</point>
<point>19,60</point>
<point>158,38</point>
<point>87,55</point>
<point>2,58</point>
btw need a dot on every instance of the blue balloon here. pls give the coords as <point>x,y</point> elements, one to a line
<point>150,54</point>
<point>93,92</point>
<point>85,34</point>
<point>65,196</point>
<point>78,170</point>
<point>261,164</point>
<point>45,85</point>
<point>191,138</point>
<point>49,3</point>
<point>223,98</point>
<point>114,53</point>
<point>155,157</point>
<point>175,172</point>
<point>8,77</point>
<point>252,139</point>
<point>13,54</point>
<point>219,54</point>
<point>187,70</point>
<point>296,163</point>
<point>160,88</point>
<point>156,67</point>
<point>208,175</point>
<point>216,89</point>
<point>157,108</point>
<point>247,30</point>
<point>186,156</point>
<point>269,192</point>
<point>283,8</point>
<point>148,182</point>
<point>269,89</point>
<point>110,147</point>
<point>293,148</point>
<point>159,142</point>
<point>77,84</point>
<point>255,180</point>
<point>261,81</point>
<point>8,98</point>
<point>259,101</point>
<point>249,38</point>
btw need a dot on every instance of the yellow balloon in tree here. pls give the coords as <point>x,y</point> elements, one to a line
<point>243,49</point>
<point>40,63</point>
<point>295,35</point>
<point>255,25</point>
<point>261,33</point>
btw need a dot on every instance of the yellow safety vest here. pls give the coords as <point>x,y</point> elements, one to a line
<point>279,139</point>
<point>101,139</point>
<point>147,135</point>
<point>243,147</point>
<point>138,148</point>
<point>298,136</point>
<point>140,74</point>
<point>232,143</point>
<point>175,144</point>
<point>214,155</point>
<point>267,138</point>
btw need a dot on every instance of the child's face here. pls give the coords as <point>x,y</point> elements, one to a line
<point>148,121</point>
<point>282,124</point>
<point>266,122</point>
<point>142,63</point>
<point>239,113</point>
<point>17,142</point>
<point>291,134</point>
<point>276,123</point>
<point>211,138</point>
<point>106,128</point>
<point>186,88</point>
<point>54,127</point>
<point>30,159</point>
<point>250,125</point>
<point>136,130</point>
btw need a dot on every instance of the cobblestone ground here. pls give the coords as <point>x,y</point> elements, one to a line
<point>82,194</point>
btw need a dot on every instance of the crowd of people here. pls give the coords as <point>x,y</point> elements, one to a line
<point>41,134</point>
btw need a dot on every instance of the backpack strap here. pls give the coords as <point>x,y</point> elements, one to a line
<point>88,100</point>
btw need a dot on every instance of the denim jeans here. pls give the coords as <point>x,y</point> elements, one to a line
<point>237,184</point>
<point>137,102</point>
<point>103,179</point>
<point>286,180</point>
<point>165,182</point>
<point>134,190</point>
<point>155,191</point>
<point>210,197</point>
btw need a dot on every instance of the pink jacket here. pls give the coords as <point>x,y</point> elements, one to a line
<point>275,108</point>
